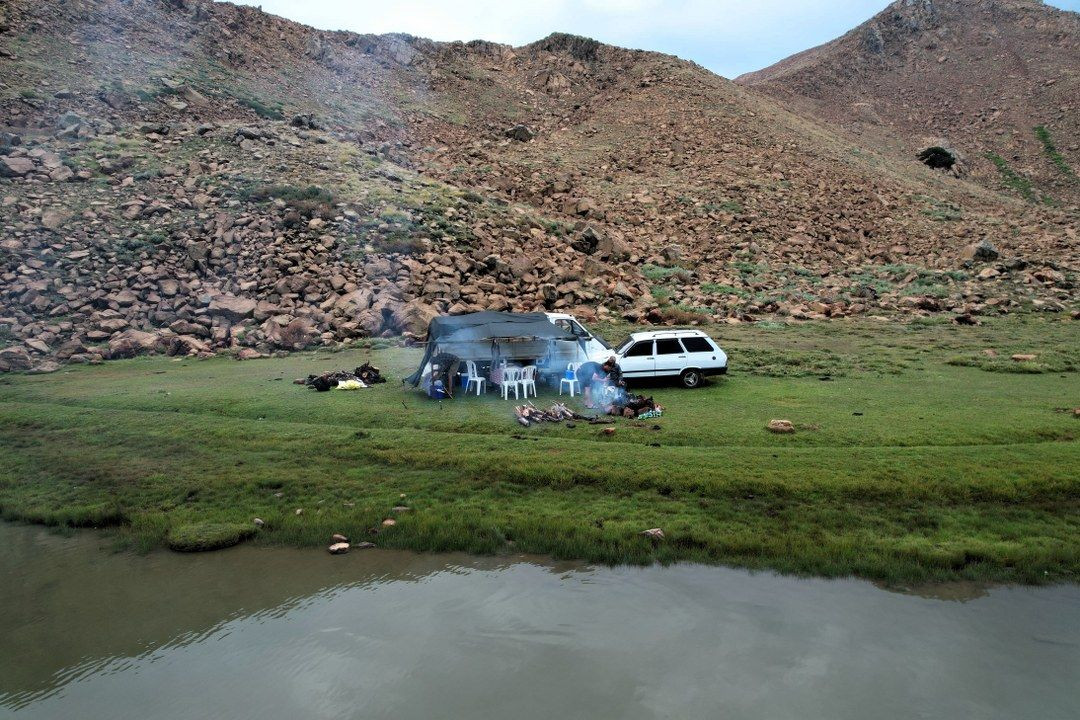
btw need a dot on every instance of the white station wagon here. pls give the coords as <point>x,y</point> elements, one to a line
<point>690,355</point>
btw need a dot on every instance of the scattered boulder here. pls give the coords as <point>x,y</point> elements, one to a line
<point>15,166</point>
<point>521,133</point>
<point>248,354</point>
<point>232,308</point>
<point>982,251</point>
<point>780,426</point>
<point>1023,357</point>
<point>653,534</point>
<point>414,317</point>
<point>339,548</point>
<point>966,319</point>
<point>54,218</point>
<point>15,359</point>
<point>132,342</point>
<point>44,368</point>
<point>587,240</point>
<point>306,121</point>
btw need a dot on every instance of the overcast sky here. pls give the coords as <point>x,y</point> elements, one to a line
<point>729,37</point>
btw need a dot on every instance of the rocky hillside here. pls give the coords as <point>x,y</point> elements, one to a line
<point>996,80</point>
<point>191,177</point>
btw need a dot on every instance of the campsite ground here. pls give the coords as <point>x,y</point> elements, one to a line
<point>917,456</point>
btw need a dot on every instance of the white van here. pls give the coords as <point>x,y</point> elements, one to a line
<point>690,355</point>
<point>589,345</point>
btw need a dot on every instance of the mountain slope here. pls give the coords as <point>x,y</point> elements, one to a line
<point>987,77</point>
<point>196,170</point>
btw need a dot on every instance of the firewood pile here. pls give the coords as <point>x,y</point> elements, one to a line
<point>528,414</point>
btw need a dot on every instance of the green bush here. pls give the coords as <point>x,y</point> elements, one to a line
<point>399,242</point>
<point>309,201</point>
<point>658,272</point>
<point>261,109</point>
<point>718,289</point>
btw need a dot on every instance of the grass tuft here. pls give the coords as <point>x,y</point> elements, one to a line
<point>202,536</point>
<point>1052,152</point>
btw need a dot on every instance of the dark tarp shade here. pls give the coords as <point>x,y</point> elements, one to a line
<point>484,326</point>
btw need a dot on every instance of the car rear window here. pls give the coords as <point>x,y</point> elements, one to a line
<point>697,344</point>
<point>641,349</point>
<point>668,347</point>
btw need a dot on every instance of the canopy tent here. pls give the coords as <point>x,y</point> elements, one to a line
<point>485,330</point>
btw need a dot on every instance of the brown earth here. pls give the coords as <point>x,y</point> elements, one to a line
<point>979,76</point>
<point>190,177</point>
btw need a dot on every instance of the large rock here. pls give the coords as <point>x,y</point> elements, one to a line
<point>781,427</point>
<point>299,333</point>
<point>133,342</point>
<point>587,241</point>
<point>54,218</point>
<point>15,166</point>
<point>44,368</point>
<point>232,308</point>
<point>69,120</point>
<point>186,345</point>
<point>370,322</point>
<point>980,252</point>
<point>290,333</point>
<point>354,302</point>
<point>522,133</point>
<point>611,247</point>
<point>414,317</point>
<point>15,359</point>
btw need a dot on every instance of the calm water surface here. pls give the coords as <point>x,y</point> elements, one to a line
<point>270,633</point>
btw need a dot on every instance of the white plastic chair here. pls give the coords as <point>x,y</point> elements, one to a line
<point>474,378</point>
<point>572,383</point>
<point>511,377</point>
<point>527,380</point>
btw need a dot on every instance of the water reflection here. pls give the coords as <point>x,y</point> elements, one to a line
<point>69,606</point>
<point>961,591</point>
<point>274,633</point>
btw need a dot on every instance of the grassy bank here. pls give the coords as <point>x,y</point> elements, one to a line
<point>917,456</point>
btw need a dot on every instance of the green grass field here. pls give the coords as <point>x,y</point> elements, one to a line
<point>917,456</point>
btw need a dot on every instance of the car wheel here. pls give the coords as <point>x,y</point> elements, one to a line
<point>692,378</point>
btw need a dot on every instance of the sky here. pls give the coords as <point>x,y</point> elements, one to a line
<point>729,37</point>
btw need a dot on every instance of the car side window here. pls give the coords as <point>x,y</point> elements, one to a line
<point>640,349</point>
<point>697,344</point>
<point>668,347</point>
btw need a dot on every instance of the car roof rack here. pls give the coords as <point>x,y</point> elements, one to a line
<point>670,330</point>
